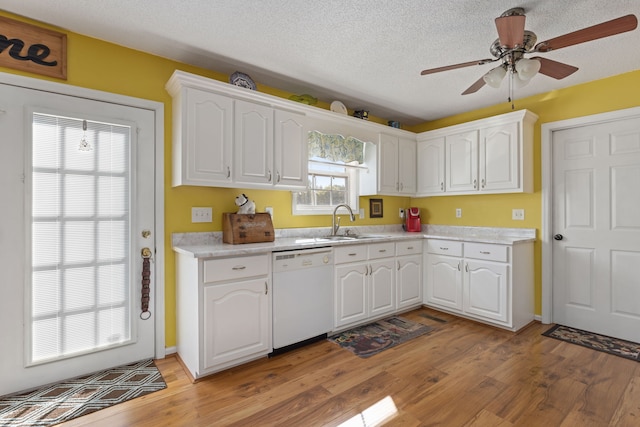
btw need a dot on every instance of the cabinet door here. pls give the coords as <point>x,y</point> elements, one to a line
<point>486,289</point>
<point>351,293</point>
<point>382,287</point>
<point>236,321</point>
<point>253,143</point>
<point>462,162</point>
<point>408,283</point>
<point>444,281</point>
<point>291,148</point>
<point>203,150</point>
<point>499,158</point>
<point>388,165</point>
<point>430,174</point>
<point>407,166</point>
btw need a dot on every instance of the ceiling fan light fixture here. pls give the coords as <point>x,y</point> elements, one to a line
<point>527,68</point>
<point>495,76</point>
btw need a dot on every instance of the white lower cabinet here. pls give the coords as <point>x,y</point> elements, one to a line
<point>223,311</point>
<point>376,280</point>
<point>487,282</point>
<point>486,290</point>
<point>236,322</point>
<point>364,282</point>
<point>409,274</point>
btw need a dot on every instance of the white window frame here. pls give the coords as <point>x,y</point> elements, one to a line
<point>349,172</point>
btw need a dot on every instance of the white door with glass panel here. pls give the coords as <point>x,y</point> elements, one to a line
<point>78,208</point>
<point>596,227</point>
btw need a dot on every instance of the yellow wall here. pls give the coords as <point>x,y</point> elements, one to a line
<point>103,66</point>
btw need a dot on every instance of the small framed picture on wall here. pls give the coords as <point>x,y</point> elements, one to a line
<point>375,208</point>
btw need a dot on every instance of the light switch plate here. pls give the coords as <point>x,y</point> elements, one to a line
<point>269,210</point>
<point>201,214</point>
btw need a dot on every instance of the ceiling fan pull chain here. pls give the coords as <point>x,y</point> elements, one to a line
<point>511,88</point>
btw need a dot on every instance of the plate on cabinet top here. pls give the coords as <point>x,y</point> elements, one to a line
<point>242,80</point>
<point>338,107</point>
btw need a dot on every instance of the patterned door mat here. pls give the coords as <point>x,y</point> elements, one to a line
<point>365,341</point>
<point>79,396</point>
<point>615,346</point>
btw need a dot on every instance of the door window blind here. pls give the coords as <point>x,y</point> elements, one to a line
<point>80,292</point>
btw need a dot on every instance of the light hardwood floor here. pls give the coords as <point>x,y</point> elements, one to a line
<point>461,374</point>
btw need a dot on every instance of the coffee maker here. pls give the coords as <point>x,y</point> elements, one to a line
<point>412,218</point>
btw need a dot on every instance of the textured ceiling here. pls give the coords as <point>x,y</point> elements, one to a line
<point>367,54</point>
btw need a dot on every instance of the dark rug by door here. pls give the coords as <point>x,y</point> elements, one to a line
<point>615,346</point>
<point>367,340</point>
<point>79,396</point>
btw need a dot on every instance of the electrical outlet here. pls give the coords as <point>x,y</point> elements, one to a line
<point>458,213</point>
<point>517,214</point>
<point>401,213</point>
<point>269,210</point>
<point>201,214</point>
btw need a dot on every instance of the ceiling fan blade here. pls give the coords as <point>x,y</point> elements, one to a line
<point>605,29</point>
<point>555,69</point>
<point>510,30</point>
<point>453,67</point>
<point>475,87</point>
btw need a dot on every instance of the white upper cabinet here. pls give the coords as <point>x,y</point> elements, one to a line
<point>225,136</point>
<point>253,146</point>
<point>493,155</point>
<point>407,166</point>
<point>270,147</point>
<point>499,158</point>
<point>430,176</point>
<point>203,123</point>
<point>461,161</point>
<point>396,168</point>
<point>291,161</point>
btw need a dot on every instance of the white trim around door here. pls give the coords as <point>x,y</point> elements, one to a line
<point>547,131</point>
<point>158,109</point>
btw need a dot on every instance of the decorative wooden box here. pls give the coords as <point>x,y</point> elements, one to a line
<point>247,228</point>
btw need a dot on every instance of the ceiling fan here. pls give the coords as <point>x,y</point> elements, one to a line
<point>514,42</point>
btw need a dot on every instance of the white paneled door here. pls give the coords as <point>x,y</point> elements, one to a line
<point>78,207</point>
<point>596,228</point>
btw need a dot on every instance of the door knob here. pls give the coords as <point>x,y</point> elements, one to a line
<point>558,236</point>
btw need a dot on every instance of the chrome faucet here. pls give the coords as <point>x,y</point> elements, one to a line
<point>335,223</point>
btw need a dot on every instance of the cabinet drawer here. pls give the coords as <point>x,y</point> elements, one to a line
<point>381,250</point>
<point>409,248</point>
<point>486,251</point>
<point>224,269</point>
<point>444,247</point>
<point>351,253</point>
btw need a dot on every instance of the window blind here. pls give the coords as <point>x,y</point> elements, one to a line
<point>80,227</point>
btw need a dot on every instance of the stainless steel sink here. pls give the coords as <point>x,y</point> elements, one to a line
<point>338,237</point>
<point>342,237</point>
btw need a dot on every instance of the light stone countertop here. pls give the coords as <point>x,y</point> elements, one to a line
<point>210,245</point>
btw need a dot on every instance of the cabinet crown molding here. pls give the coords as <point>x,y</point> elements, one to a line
<point>525,116</point>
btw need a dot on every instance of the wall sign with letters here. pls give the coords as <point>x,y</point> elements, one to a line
<point>29,48</point>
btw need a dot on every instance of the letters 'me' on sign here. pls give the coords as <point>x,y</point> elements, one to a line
<point>29,48</point>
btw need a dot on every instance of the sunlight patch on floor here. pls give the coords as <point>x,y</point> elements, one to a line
<point>375,415</point>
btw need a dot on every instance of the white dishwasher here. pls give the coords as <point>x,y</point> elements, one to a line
<point>302,297</point>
